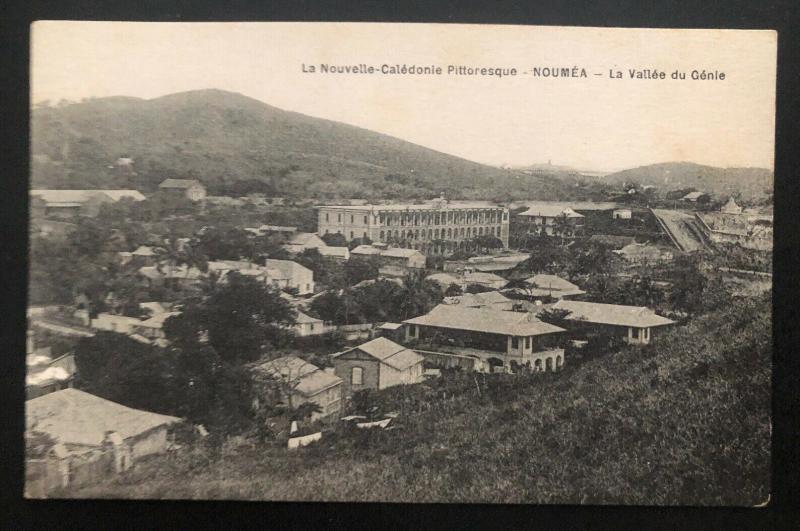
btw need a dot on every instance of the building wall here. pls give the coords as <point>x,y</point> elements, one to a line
<point>389,376</point>
<point>309,329</point>
<point>196,193</point>
<point>550,360</point>
<point>352,223</point>
<point>329,400</point>
<point>417,227</point>
<point>91,467</point>
<point>444,360</point>
<point>45,475</point>
<point>370,374</point>
<point>151,442</point>
<point>303,280</point>
<point>58,212</point>
<point>548,223</point>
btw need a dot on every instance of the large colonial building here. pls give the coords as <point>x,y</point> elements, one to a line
<point>433,227</point>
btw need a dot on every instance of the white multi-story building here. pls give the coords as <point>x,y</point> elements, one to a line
<point>432,227</point>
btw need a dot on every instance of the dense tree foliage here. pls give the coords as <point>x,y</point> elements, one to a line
<point>334,239</point>
<point>240,317</point>
<point>382,300</point>
<point>360,269</point>
<point>120,369</point>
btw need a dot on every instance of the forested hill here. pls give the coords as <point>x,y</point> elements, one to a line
<point>223,137</point>
<point>750,182</point>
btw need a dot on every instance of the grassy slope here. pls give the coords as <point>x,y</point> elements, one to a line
<point>223,136</point>
<point>683,422</point>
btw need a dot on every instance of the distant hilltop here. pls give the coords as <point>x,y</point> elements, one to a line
<point>233,143</point>
<point>751,183</point>
<point>222,138</point>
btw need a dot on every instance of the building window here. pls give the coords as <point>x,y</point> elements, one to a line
<point>339,218</point>
<point>357,376</point>
<point>514,342</point>
<point>382,236</point>
<point>351,235</point>
<point>327,217</point>
<point>527,342</point>
<point>365,220</point>
<point>352,219</point>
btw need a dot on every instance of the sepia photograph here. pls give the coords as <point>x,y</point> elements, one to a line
<point>394,262</point>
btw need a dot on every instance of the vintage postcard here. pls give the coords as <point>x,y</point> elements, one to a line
<point>400,262</point>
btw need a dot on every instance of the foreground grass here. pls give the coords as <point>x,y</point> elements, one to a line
<point>684,421</point>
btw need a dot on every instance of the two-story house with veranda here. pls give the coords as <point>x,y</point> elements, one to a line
<point>497,337</point>
<point>433,227</point>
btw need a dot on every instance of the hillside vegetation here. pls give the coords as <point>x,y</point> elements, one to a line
<point>223,137</point>
<point>751,183</point>
<point>685,420</point>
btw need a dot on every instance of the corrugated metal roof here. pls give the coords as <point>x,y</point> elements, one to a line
<point>316,382</point>
<point>444,279</point>
<point>304,238</point>
<point>366,249</point>
<point>116,195</point>
<point>552,282</point>
<point>78,197</point>
<point>308,379</point>
<point>551,211</point>
<point>334,251</point>
<point>433,205</point>
<point>483,278</point>
<point>485,320</point>
<point>303,318</point>
<point>292,366</point>
<point>386,351</point>
<point>476,300</point>
<point>612,314</point>
<point>287,268</point>
<point>400,252</point>
<point>72,416</point>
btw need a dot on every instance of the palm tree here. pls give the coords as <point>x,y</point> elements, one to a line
<point>175,254</point>
<point>419,295</point>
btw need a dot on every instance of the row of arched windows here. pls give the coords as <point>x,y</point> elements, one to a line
<point>548,364</point>
<point>441,218</point>
<point>438,234</point>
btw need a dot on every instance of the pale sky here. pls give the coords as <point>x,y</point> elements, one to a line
<point>588,123</point>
